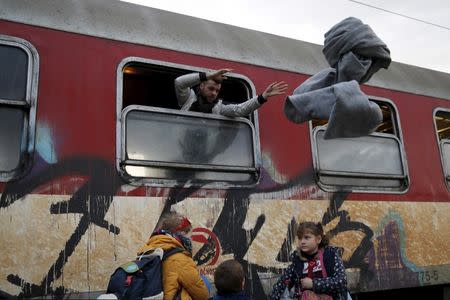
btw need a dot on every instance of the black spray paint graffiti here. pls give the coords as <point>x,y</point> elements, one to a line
<point>93,199</point>
<point>234,239</point>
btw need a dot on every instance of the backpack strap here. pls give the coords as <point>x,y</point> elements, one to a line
<point>322,265</point>
<point>171,252</point>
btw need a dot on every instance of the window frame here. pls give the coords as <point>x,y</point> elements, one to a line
<point>121,127</point>
<point>398,136</point>
<point>29,106</point>
<point>446,175</point>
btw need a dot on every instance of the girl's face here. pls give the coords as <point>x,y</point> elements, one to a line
<point>309,243</point>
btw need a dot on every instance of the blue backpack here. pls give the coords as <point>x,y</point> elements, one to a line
<point>141,278</point>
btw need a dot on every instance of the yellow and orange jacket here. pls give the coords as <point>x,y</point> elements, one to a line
<point>179,270</point>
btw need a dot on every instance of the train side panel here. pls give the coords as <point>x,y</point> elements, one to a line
<point>72,219</point>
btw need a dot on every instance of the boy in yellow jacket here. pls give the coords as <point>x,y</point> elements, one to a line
<point>179,271</point>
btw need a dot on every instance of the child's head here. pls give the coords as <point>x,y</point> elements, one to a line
<point>174,222</point>
<point>311,237</point>
<point>229,277</point>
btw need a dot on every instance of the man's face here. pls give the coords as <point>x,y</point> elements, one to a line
<point>209,90</point>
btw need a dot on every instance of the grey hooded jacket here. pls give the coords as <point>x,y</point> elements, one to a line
<point>186,97</point>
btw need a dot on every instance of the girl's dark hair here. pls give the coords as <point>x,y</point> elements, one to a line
<point>314,228</point>
<point>228,277</point>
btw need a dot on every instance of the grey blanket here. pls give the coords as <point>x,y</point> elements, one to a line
<point>354,53</point>
<point>350,41</point>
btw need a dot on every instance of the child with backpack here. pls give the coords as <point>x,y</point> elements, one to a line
<point>164,268</point>
<point>316,271</point>
<point>181,279</point>
<point>229,279</point>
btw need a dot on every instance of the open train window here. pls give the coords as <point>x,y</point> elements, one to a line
<point>370,163</point>
<point>158,144</point>
<point>18,90</point>
<point>442,123</point>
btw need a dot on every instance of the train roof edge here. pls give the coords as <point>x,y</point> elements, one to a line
<point>123,21</point>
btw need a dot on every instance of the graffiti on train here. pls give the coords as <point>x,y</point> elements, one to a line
<point>228,235</point>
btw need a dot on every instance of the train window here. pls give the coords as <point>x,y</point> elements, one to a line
<point>442,122</point>
<point>162,145</point>
<point>18,91</point>
<point>14,73</point>
<point>370,163</point>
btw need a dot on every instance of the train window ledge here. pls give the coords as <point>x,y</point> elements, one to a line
<point>160,145</point>
<point>373,163</point>
<point>18,92</point>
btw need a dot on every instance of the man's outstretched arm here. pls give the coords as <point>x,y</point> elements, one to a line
<point>247,107</point>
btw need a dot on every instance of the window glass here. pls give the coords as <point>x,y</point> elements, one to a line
<point>13,73</point>
<point>376,153</point>
<point>11,132</point>
<point>189,140</point>
<point>18,90</point>
<point>161,144</point>
<point>368,163</point>
<point>446,157</point>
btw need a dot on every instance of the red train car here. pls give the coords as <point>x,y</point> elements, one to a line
<point>94,149</point>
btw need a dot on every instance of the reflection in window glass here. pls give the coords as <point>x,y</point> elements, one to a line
<point>182,139</point>
<point>13,73</point>
<point>11,132</point>
<point>368,163</point>
<point>182,147</point>
<point>367,154</point>
<point>191,148</point>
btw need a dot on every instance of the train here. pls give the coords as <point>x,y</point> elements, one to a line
<point>99,150</point>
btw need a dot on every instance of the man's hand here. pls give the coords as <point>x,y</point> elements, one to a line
<point>275,88</point>
<point>218,75</point>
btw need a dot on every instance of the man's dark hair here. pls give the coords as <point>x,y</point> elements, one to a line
<point>217,80</point>
<point>228,277</point>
